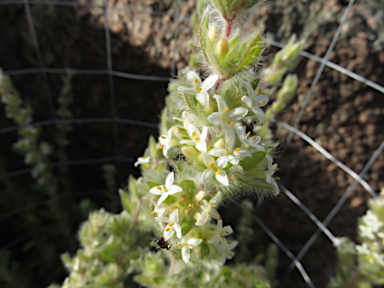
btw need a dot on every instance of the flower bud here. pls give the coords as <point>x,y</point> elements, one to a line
<point>188,151</point>
<point>199,196</point>
<point>213,33</point>
<point>222,47</point>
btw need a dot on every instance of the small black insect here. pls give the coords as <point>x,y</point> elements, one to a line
<point>162,243</point>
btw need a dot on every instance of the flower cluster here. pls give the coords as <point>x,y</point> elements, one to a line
<point>212,153</point>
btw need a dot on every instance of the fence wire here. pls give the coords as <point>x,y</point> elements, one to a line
<point>108,9</point>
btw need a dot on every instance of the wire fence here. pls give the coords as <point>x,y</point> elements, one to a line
<point>111,73</point>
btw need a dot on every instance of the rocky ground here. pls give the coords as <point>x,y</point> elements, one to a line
<point>344,116</point>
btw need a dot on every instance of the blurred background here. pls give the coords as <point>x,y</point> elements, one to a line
<point>94,75</point>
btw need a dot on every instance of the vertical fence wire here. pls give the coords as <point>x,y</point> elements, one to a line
<point>39,58</point>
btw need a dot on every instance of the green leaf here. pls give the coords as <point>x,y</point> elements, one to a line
<point>188,187</point>
<point>186,224</point>
<point>204,27</point>
<point>258,183</point>
<point>108,256</point>
<point>204,250</point>
<point>250,162</point>
<point>247,55</point>
<point>159,279</point>
<point>170,199</point>
<point>125,200</point>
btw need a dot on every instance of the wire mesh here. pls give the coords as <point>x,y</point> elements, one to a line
<point>115,119</point>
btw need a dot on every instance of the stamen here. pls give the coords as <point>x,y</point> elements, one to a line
<point>164,187</point>
<point>213,205</point>
<point>218,171</point>
<point>171,224</point>
<point>196,80</point>
<point>199,89</point>
<point>254,138</point>
<point>230,122</point>
<point>249,133</point>
<point>238,150</point>
<point>258,92</point>
<point>226,150</point>
<point>277,178</point>
<point>197,139</point>
<point>193,134</point>
<point>276,169</point>
<point>154,213</point>
<point>163,137</point>
<point>211,164</point>
<point>260,102</point>
<point>159,188</point>
<point>143,156</point>
<point>162,146</point>
<point>167,229</point>
<point>226,110</point>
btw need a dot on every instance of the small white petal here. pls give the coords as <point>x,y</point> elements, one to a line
<point>222,162</point>
<point>174,216</point>
<point>203,218</point>
<point>207,175</point>
<point>169,180</point>
<point>221,104</point>
<point>168,234</point>
<point>262,99</point>
<point>218,152</point>
<point>193,242</point>
<point>215,118</point>
<point>174,189</point>
<point>236,113</point>
<point>185,254</point>
<point>222,178</point>
<point>156,191</point>
<point>247,100</point>
<point>187,90</point>
<point>207,159</point>
<point>203,98</point>
<point>162,198</point>
<point>177,228</point>
<point>209,82</point>
<point>202,146</point>
<point>204,133</point>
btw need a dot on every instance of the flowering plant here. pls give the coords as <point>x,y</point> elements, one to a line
<point>361,265</point>
<point>209,150</point>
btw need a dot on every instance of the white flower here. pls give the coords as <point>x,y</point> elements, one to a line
<point>214,168</point>
<point>252,141</point>
<point>159,212</point>
<point>187,245</point>
<point>142,160</point>
<point>220,243</point>
<point>167,189</point>
<point>233,155</point>
<point>344,245</point>
<point>199,89</point>
<point>208,209</point>
<point>173,225</point>
<point>197,138</point>
<point>255,102</point>
<point>271,169</point>
<point>167,142</point>
<point>226,117</point>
